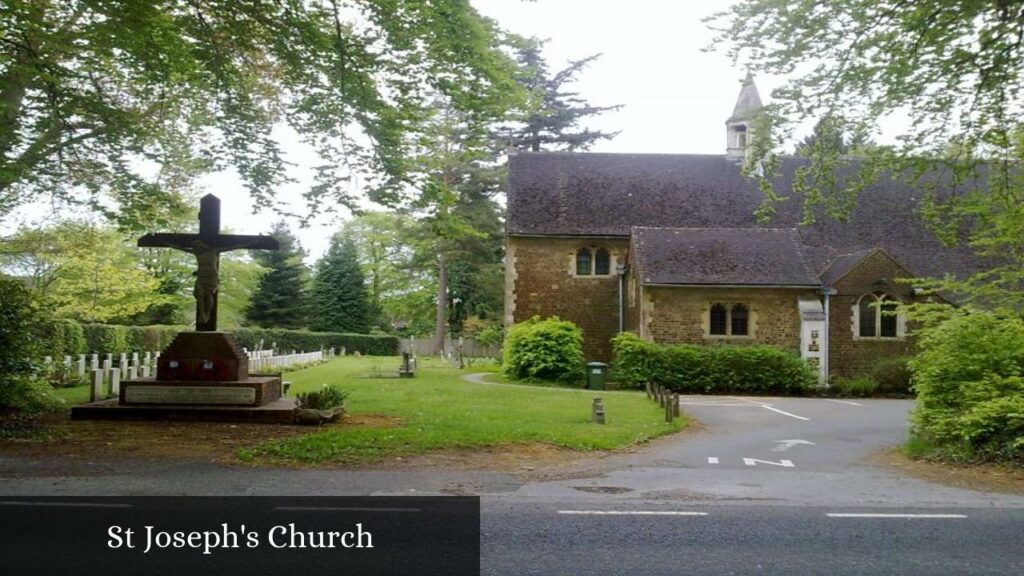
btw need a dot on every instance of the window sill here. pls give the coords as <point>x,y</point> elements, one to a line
<point>879,338</point>
<point>727,337</point>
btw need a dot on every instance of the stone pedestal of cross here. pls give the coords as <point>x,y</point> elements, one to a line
<point>207,246</point>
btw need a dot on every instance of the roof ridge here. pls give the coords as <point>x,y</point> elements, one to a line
<point>740,228</point>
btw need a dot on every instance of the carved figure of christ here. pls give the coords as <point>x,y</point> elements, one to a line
<point>207,246</point>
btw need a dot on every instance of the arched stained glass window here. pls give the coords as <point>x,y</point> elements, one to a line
<point>719,320</point>
<point>740,320</point>
<point>877,316</point>
<point>602,262</point>
<point>583,262</point>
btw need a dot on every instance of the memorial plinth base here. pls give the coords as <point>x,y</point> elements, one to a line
<point>256,399</point>
<point>281,411</point>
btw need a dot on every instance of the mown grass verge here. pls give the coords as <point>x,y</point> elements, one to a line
<point>438,410</point>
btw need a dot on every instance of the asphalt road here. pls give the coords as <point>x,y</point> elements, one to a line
<point>749,492</point>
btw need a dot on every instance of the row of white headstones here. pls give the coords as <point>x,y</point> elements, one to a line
<point>106,377</point>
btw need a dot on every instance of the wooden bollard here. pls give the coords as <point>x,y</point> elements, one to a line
<point>668,412</point>
<point>675,405</point>
<point>597,412</point>
<point>647,388</point>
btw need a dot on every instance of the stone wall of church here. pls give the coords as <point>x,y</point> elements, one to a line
<point>850,355</point>
<point>680,315</point>
<point>541,280</point>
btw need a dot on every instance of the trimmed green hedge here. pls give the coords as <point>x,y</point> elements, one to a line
<point>68,337</point>
<point>710,369</point>
<point>550,349</point>
<point>366,344</point>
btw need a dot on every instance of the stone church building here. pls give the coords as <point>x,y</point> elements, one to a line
<point>667,246</point>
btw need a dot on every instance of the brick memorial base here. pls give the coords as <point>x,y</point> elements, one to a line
<point>200,376</point>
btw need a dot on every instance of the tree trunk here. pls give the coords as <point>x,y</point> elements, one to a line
<point>441,324</point>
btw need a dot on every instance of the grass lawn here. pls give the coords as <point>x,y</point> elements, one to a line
<point>438,410</point>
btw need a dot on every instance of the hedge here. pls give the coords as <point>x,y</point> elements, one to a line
<point>685,369</point>
<point>305,340</point>
<point>67,337</point>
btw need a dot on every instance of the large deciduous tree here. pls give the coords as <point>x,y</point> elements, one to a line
<point>281,298</point>
<point>91,93</point>
<point>339,301</point>
<point>951,69</point>
<point>83,271</point>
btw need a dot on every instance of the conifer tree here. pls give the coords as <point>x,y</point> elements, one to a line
<point>280,300</point>
<point>340,302</point>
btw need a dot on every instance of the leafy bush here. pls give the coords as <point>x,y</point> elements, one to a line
<point>893,376</point>
<point>323,399</point>
<point>21,323</point>
<point>712,369</point>
<point>549,349</point>
<point>969,378</point>
<point>860,387</point>
<point>304,340</point>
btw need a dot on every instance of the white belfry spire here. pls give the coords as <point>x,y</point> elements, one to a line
<point>738,126</point>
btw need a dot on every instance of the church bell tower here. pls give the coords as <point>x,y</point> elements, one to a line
<point>739,125</point>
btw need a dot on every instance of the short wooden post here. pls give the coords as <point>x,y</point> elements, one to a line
<point>668,412</point>
<point>675,405</point>
<point>597,411</point>
<point>647,388</point>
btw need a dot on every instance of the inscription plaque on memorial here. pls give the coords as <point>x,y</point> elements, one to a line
<point>189,395</point>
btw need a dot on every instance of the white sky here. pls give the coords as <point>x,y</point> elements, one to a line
<point>676,97</point>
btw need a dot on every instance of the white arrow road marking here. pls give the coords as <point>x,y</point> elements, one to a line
<point>712,459</point>
<point>632,513</point>
<point>754,462</point>
<point>873,515</point>
<point>787,444</point>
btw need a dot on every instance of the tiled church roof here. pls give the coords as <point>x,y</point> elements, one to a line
<point>585,194</point>
<point>721,256</point>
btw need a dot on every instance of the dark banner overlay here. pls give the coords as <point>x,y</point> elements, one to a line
<point>228,536</point>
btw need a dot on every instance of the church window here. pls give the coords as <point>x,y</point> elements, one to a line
<point>739,320</point>
<point>583,262</point>
<point>602,262</point>
<point>877,316</point>
<point>728,319</point>
<point>719,320</point>
<point>593,261</point>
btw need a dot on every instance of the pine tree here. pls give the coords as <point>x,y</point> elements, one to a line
<point>553,117</point>
<point>280,300</point>
<point>340,300</point>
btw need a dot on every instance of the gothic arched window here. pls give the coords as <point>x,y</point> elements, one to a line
<point>593,261</point>
<point>583,262</point>
<point>719,321</point>
<point>877,316</point>
<point>739,320</point>
<point>602,262</point>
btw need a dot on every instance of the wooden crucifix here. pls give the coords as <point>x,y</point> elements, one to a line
<point>207,246</point>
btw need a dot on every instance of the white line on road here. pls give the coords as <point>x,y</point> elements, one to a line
<point>716,404</point>
<point>842,402</point>
<point>712,459</point>
<point>769,407</point>
<point>632,513</point>
<point>344,509</point>
<point>783,463</point>
<point>876,515</point>
<point>68,504</point>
